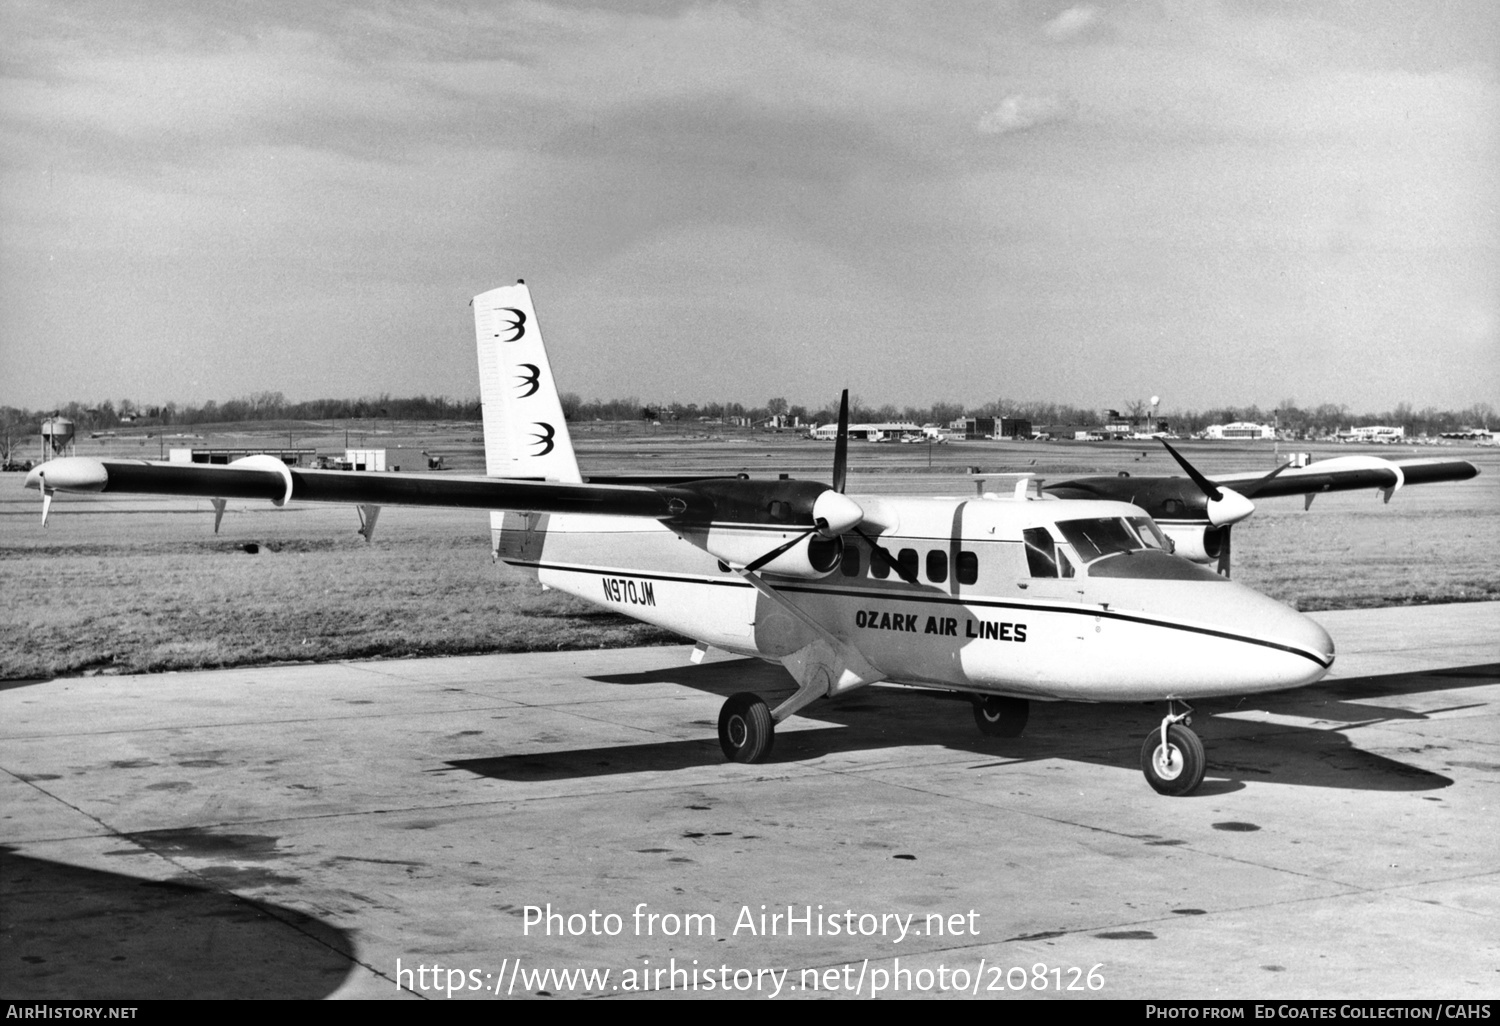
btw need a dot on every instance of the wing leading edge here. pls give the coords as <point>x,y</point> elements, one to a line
<point>268,479</point>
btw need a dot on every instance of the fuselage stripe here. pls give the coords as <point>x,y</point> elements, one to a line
<point>944,600</point>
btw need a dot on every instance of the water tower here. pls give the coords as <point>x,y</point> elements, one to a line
<point>57,437</point>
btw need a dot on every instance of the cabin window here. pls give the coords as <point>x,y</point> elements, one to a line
<point>1041,552</point>
<point>880,567</point>
<point>966,569</point>
<point>849,566</point>
<point>937,566</point>
<point>908,560</point>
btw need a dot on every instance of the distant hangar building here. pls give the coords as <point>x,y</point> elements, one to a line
<point>1239,430</point>
<point>354,459</point>
<point>220,455</point>
<point>993,427</point>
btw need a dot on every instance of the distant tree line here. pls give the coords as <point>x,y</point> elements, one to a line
<point>258,406</point>
<point>1322,420</point>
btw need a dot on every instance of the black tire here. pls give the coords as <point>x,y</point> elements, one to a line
<point>746,731</point>
<point>1177,770</point>
<point>998,716</point>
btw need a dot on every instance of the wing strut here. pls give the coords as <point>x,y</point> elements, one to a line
<point>824,667</point>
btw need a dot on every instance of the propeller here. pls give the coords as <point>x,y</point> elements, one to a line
<point>1225,505</point>
<point>833,514</point>
<point>840,479</point>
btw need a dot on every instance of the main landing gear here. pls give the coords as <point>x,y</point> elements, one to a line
<point>1172,756</point>
<point>999,716</point>
<point>747,733</point>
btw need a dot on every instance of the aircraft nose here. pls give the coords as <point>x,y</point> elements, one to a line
<point>34,478</point>
<point>1300,636</point>
<point>1310,635</point>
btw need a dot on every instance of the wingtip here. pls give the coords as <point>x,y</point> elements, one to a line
<point>69,474</point>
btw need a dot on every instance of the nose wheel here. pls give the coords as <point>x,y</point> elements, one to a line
<point>1172,756</point>
<point>746,731</point>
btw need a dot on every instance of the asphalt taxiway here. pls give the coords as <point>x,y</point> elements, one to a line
<point>339,830</point>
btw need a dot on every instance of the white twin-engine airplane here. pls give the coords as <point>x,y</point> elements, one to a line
<point>1070,593</point>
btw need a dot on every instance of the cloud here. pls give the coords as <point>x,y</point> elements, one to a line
<point>1072,23</point>
<point>1018,112</point>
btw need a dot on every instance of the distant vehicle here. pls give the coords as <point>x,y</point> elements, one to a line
<point>15,466</point>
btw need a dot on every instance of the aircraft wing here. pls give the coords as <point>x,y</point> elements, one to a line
<point>1350,473</point>
<point>265,477</point>
<point>1173,497</point>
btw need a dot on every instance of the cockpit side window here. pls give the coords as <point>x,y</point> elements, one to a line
<point>1150,534</point>
<point>1041,552</point>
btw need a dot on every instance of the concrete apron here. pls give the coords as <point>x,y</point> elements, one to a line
<point>341,830</point>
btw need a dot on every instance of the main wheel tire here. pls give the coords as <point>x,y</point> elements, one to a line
<point>746,731</point>
<point>1176,768</point>
<point>998,716</point>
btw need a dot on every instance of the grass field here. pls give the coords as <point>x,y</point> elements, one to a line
<point>136,584</point>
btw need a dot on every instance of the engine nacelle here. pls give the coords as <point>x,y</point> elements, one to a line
<point>1200,543</point>
<point>810,558</point>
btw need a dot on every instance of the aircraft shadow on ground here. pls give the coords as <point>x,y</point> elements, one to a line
<point>1239,752</point>
<point>7,685</point>
<point>75,934</point>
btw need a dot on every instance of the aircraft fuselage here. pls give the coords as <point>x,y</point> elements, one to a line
<point>980,614</point>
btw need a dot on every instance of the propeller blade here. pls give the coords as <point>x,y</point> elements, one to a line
<point>887,558</point>
<point>778,550</point>
<point>841,445</point>
<point>1258,485</point>
<point>1223,566</point>
<point>1204,484</point>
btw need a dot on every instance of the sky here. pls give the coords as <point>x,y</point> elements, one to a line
<point>1220,203</point>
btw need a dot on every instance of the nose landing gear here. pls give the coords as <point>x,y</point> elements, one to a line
<point>1172,756</point>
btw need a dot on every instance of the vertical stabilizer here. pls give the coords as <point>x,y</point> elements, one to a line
<point>524,431</point>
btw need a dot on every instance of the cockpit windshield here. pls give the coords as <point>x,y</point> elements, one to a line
<point>1102,536</point>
